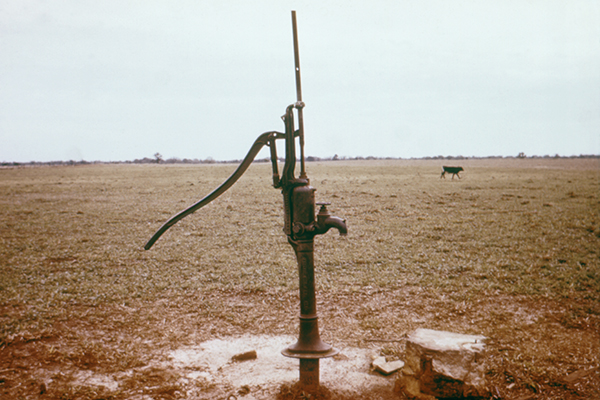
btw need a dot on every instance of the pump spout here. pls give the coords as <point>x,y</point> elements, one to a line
<point>337,223</point>
<point>326,221</point>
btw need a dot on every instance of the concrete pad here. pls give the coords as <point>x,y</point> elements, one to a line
<point>211,361</point>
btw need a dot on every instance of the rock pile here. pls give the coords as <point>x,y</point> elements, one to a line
<point>442,365</point>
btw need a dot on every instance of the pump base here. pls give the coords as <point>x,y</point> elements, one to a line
<point>311,355</point>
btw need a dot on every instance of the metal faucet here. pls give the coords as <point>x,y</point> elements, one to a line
<point>325,221</point>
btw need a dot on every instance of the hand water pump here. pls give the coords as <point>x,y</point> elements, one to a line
<point>300,225</point>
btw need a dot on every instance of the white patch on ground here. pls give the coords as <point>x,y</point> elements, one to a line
<point>211,361</point>
<point>89,378</point>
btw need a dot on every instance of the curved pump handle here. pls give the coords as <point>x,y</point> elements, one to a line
<point>267,138</point>
<point>288,180</point>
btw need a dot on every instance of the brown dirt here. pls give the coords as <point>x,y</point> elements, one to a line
<point>510,251</point>
<point>537,347</point>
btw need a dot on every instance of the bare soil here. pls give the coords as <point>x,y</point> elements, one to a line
<point>510,251</point>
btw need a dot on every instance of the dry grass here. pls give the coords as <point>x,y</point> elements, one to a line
<point>510,251</point>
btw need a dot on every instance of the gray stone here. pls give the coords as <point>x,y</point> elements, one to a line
<point>249,355</point>
<point>443,365</point>
<point>385,367</point>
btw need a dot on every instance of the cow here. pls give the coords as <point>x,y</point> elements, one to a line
<point>451,170</point>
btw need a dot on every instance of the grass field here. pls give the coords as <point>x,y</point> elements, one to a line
<point>511,251</point>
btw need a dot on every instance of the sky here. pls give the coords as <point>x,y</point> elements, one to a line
<point>116,80</point>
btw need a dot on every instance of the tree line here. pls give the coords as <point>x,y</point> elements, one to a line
<point>158,159</point>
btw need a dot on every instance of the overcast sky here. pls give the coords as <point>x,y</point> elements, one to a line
<point>117,80</point>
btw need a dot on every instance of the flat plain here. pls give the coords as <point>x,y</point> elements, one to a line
<point>510,251</point>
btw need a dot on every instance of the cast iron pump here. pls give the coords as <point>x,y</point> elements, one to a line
<point>301,225</point>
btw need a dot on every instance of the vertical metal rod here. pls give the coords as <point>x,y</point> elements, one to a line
<point>299,95</point>
<point>296,58</point>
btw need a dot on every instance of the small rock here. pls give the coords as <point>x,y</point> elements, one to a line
<point>244,390</point>
<point>575,376</point>
<point>381,365</point>
<point>249,355</point>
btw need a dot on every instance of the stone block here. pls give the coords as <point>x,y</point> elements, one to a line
<point>441,364</point>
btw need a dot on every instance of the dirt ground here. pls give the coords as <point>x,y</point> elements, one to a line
<point>537,349</point>
<point>509,252</point>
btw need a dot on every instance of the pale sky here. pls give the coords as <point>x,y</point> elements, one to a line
<point>115,80</point>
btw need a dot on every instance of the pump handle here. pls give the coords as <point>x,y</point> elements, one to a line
<point>262,140</point>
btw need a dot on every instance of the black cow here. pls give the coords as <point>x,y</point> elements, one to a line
<point>451,170</point>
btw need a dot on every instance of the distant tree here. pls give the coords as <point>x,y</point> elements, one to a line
<point>158,157</point>
<point>521,155</point>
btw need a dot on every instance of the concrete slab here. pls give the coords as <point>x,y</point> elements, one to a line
<point>211,361</point>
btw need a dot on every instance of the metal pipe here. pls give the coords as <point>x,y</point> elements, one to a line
<point>309,375</point>
<point>309,348</point>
